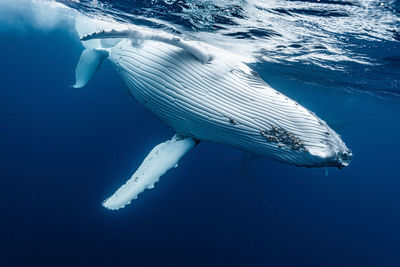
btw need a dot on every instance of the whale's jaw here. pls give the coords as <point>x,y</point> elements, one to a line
<point>344,159</point>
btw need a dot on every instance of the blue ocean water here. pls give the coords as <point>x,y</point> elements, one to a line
<point>64,150</point>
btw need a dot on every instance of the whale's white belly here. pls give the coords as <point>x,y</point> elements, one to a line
<point>224,103</point>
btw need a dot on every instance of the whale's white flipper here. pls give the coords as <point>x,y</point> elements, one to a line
<point>88,64</point>
<point>197,49</point>
<point>160,159</point>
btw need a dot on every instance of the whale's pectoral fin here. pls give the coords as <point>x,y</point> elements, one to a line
<point>160,159</point>
<point>88,64</point>
<point>198,50</point>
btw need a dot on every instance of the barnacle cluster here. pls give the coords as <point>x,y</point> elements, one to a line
<point>283,138</point>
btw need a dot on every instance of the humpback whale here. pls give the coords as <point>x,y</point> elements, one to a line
<point>205,93</point>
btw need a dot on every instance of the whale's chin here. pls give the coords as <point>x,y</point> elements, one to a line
<point>324,158</point>
<point>345,158</point>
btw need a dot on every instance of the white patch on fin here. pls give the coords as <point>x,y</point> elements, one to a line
<point>197,49</point>
<point>160,159</point>
<point>88,64</point>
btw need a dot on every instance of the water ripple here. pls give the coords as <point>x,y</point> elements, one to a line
<point>339,36</point>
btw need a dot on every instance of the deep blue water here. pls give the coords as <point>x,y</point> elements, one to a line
<point>64,150</point>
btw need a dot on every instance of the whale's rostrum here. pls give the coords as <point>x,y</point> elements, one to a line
<point>205,93</point>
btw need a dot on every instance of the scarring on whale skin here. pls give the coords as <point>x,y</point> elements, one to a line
<point>206,93</point>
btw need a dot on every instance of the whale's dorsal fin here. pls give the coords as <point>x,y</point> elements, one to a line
<point>160,159</point>
<point>197,49</point>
